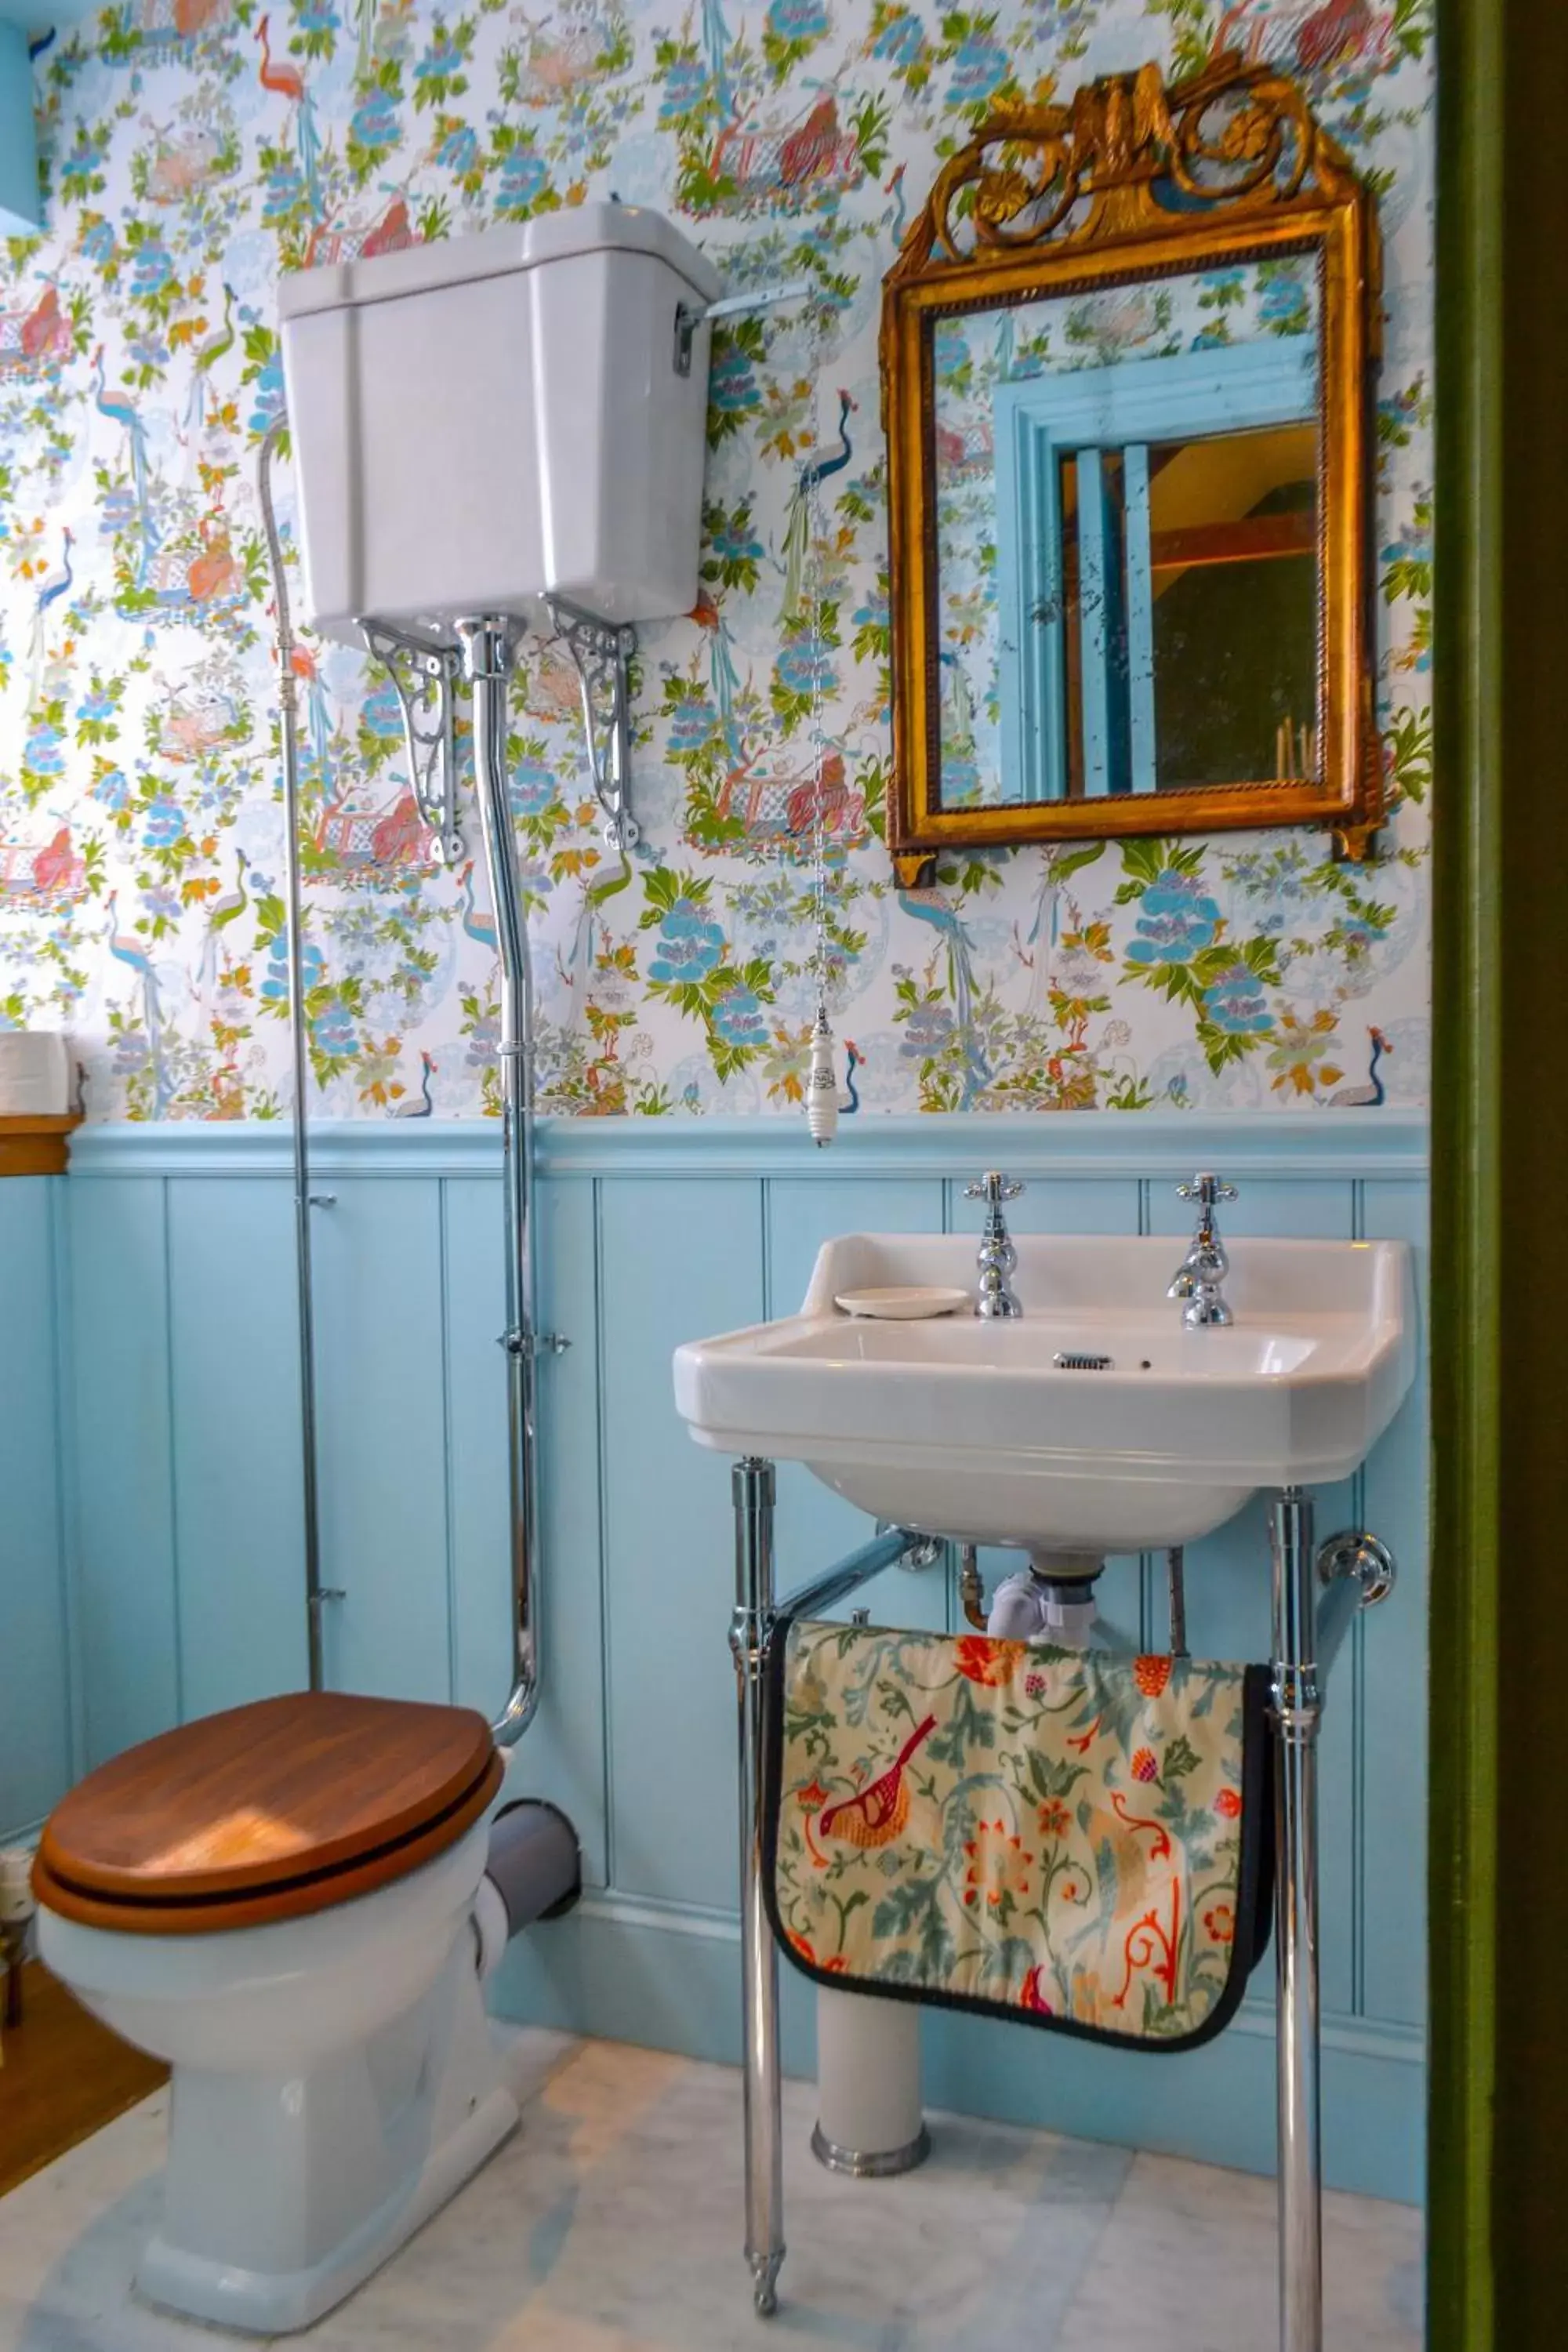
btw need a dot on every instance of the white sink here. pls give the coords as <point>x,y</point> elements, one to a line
<point>973,1429</point>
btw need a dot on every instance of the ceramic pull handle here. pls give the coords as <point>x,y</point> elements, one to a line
<point>822,1086</point>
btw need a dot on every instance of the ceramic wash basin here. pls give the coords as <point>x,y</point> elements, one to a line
<point>1095,1423</point>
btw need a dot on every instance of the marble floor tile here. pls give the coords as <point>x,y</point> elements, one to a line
<point>612,2222</point>
<point>1189,2258</point>
<point>651,2246</point>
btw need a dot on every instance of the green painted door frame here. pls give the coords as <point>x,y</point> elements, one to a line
<point>1498,1925</point>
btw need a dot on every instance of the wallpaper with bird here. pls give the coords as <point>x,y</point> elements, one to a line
<point>194,150</point>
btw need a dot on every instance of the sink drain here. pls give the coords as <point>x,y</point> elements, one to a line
<point>1074,1361</point>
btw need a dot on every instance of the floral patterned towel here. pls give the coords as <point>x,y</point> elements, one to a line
<point>1077,1839</point>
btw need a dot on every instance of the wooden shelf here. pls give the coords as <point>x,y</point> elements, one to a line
<point>36,1147</point>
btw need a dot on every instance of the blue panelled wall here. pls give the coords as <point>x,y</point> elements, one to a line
<point>151,1553</point>
<point>40,1736</point>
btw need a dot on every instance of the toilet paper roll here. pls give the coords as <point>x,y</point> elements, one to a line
<point>35,1074</point>
<point>16,1885</point>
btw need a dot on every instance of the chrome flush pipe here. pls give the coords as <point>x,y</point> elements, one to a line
<point>486,649</point>
<point>315,1595</point>
<point>487,646</point>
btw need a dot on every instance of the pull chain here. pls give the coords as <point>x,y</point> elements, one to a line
<point>822,1077</point>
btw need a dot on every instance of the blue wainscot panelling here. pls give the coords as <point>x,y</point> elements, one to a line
<point>182,1388</point>
<point>38,1739</point>
<point>19,202</point>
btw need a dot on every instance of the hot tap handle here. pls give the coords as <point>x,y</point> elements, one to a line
<point>1206,1190</point>
<point>994,1187</point>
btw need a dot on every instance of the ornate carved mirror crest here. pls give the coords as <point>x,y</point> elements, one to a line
<point>1126,367</point>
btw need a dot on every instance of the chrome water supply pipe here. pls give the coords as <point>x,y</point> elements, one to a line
<point>487,644</point>
<point>1296,1700</point>
<point>316,1594</point>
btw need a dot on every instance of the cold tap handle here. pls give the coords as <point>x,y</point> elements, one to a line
<point>994,1187</point>
<point>995,1258</point>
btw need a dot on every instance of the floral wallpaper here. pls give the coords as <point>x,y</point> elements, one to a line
<point>195,149</point>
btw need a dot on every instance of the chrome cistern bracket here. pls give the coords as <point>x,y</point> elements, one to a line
<point>602,655</point>
<point>425,676</point>
<point>689,316</point>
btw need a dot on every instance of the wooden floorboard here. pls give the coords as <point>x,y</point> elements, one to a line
<point>64,2077</point>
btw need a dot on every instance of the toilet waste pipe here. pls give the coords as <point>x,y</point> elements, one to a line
<point>533,1871</point>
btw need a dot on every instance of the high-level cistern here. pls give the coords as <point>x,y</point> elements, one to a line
<point>996,1257</point>
<point>1201,1274</point>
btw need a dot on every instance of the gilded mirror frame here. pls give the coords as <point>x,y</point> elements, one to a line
<point>1062,200</point>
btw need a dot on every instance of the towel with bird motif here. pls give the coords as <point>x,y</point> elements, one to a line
<point>1073,1839</point>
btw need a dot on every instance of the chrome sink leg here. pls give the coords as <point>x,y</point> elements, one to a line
<point>1297,1708</point>
<point>753,1484</point>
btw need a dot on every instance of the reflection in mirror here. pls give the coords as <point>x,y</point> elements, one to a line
<point>1233,583</point>
<point>1128,584</point>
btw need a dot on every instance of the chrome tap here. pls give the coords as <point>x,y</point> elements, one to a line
<point>996,1257</point>
<point>1205,1267</point>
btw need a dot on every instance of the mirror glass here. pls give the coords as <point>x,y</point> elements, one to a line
<point>1127,587</point>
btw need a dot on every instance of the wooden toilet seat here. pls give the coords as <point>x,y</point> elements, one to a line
<point>264,1813</point>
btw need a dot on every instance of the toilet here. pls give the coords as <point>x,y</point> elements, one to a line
<point>280,1902</point>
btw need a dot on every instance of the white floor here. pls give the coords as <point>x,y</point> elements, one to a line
<point>611,2222</point>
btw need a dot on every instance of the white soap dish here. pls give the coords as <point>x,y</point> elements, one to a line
<point>902,1303</point>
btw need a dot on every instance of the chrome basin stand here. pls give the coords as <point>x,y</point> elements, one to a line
<point>1315,1596</point>
<point>755,1486</point>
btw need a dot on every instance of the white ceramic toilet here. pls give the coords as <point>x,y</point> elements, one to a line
<point>279,1901</point>
<point>288,1902</point>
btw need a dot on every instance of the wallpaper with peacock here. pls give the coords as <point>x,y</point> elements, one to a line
<point>195,149</point>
